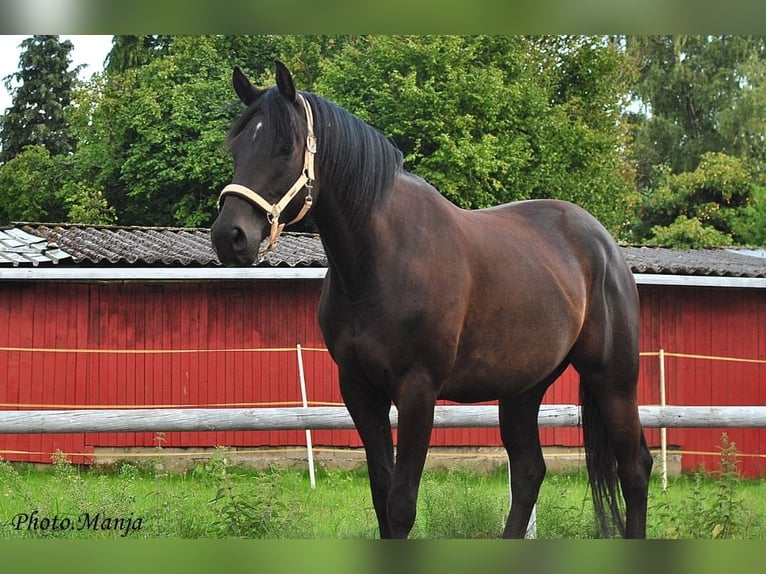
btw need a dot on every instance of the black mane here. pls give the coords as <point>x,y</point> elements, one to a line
<point>354,161</point>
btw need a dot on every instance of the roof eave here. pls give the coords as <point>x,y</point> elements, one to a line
<point>59,273</point>
<point>699,280</point>
<point>158,273</point>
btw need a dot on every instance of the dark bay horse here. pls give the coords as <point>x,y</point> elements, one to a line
<point>425,301</point>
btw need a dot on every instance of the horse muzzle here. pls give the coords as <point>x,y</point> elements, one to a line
<point>236,238</point>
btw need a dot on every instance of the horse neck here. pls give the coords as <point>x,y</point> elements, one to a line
<point>348,244</point>
<point>356,171</point>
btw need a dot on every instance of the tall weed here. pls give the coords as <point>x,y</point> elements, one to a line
<point>719,512</point>
<point>247,506</point>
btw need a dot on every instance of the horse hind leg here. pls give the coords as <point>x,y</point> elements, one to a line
<point>521,438</point>
<point>616,450</point>
<point>606,357</point>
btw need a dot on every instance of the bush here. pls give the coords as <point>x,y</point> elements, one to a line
<point>690,234</point>
<point>703,208</point>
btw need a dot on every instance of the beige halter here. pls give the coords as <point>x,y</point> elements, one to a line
<point>306,179</point>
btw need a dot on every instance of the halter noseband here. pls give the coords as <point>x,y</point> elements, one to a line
<point>306,179</point>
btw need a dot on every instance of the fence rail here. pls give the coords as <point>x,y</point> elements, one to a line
<point>336,418</point>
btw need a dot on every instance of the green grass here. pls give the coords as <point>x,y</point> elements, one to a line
<point>221,500</point>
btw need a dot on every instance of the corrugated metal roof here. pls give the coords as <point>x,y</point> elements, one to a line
<point>704,262</point>
<point>20,248</point>
<point>165,246</point>
<point>38,243</point>
<point>761,252</point>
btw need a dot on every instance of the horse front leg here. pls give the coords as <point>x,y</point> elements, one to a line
<point>415,403</point>
<point>370,414</point>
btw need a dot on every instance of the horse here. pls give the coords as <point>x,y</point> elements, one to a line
<point>423,301</point>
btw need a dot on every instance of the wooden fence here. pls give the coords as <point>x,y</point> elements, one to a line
<point>316,418</point>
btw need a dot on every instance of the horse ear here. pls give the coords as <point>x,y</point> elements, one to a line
<point>246,91</point>
<point>285,82</point>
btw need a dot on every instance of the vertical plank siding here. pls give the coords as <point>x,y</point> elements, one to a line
<point>212,343</point>
<point>710,322</point>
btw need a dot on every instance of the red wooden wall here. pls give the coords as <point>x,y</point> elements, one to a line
<point>233,344</point>
<point>715,322</point>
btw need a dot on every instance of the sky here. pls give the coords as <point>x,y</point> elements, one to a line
<point>88,50</point>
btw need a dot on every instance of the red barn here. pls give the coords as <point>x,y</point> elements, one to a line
<point>146,317</point>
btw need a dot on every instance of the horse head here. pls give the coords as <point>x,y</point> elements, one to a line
<point>273,147</point>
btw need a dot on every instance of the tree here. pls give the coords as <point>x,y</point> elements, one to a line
<point>700,139</point>
<point>152,129</point>
<point>133,51</point>
<point>493,119</point>
<point>37,186</point>
<point>38,113</point>
<point>486,119</point>
<point>28,184</point>
<point>40,179</point>
<point>699,94</point>
<point>85,204</point>
<point>711,206</point>
<point>156,135</point>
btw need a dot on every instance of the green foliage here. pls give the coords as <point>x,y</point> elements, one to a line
<point>750,225</point>
<point>703,208</point>
<point>134,51</point>
<point>494,119</point>
<point>40,179</point>
<point>305,56</point>
<point>485,119</point>
<point>28,185</point>
<point>685,233</point>
<point>699,146</point>
<point>36,186</point>
<point>85,204</point>
<point>157,134</point>
<point>720,513</point>
<point>701,94</point>
<point>247,506</point>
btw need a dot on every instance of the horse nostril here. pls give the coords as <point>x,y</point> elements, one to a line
<point>238,239</point>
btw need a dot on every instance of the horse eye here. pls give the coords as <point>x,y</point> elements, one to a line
<point>287,149</point>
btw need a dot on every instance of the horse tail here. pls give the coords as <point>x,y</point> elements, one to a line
<point>602,466</point>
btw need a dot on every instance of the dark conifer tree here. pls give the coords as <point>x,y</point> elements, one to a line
<point>134,51</point>
<point>41,90</point>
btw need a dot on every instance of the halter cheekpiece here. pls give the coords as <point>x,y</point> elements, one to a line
<point>306,179</point>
